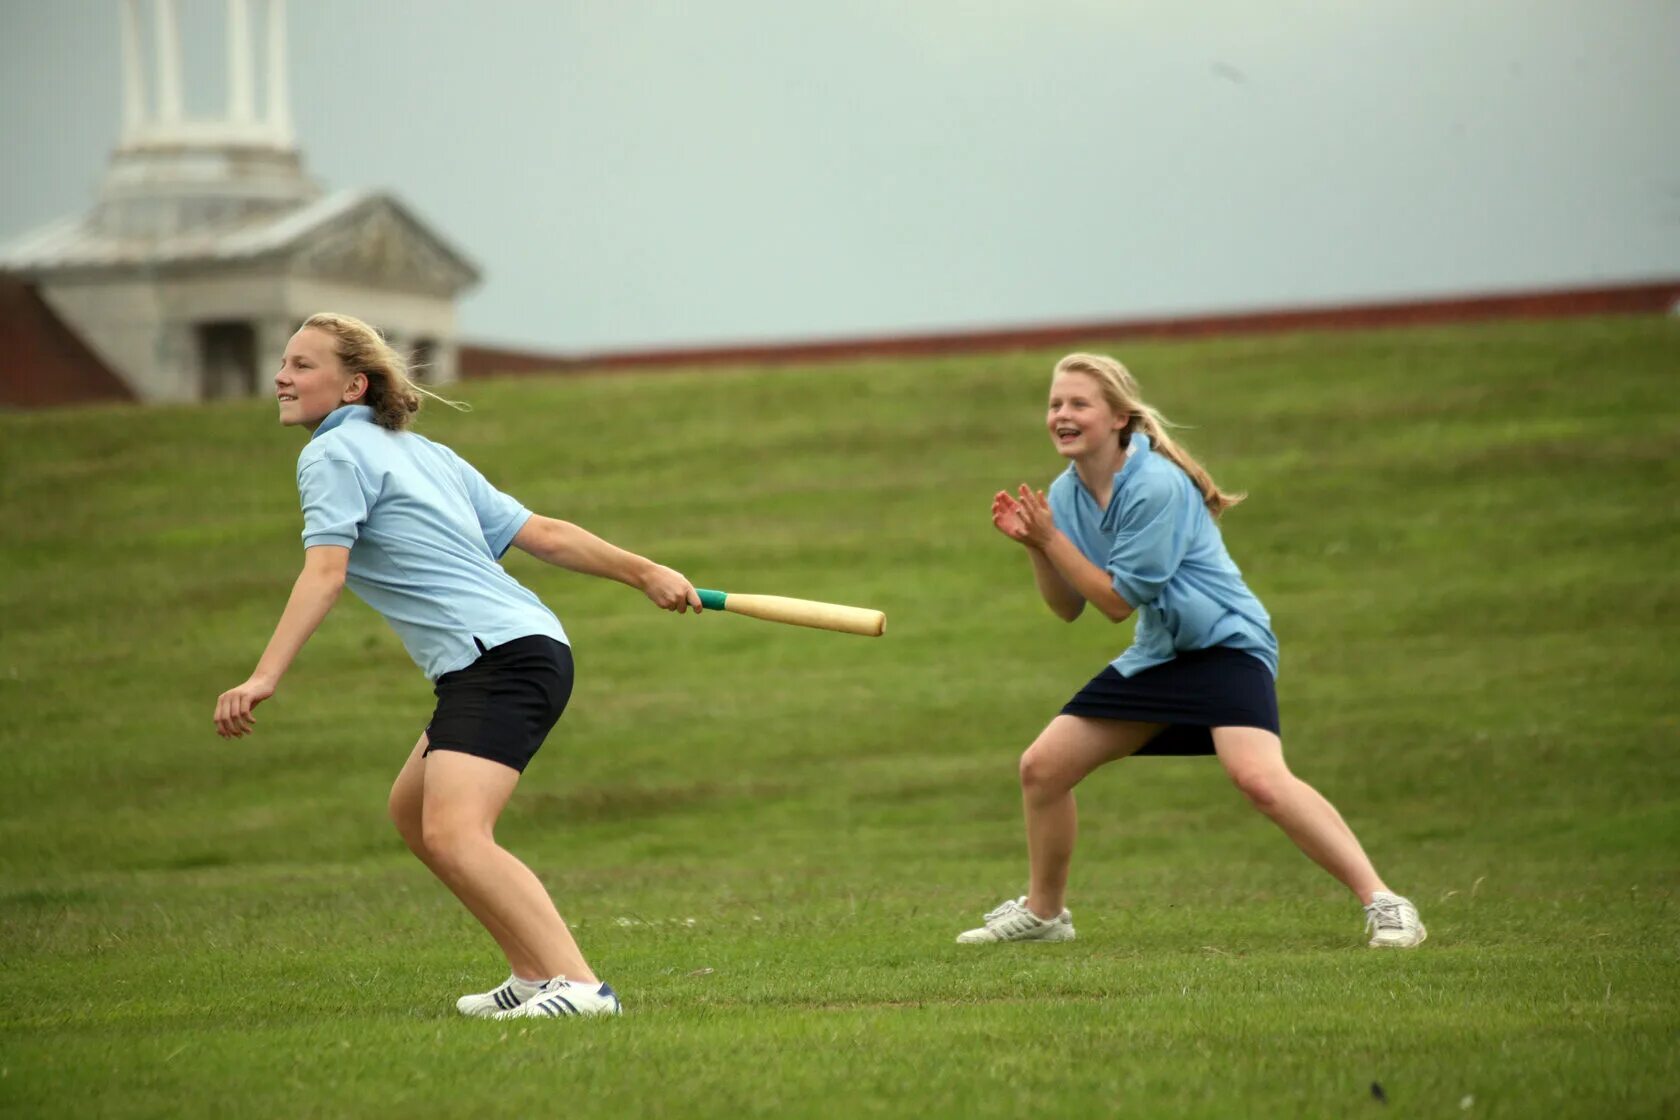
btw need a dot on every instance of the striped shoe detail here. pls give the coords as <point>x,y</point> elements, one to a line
<point>504,997</point>
<point>550,1005</point>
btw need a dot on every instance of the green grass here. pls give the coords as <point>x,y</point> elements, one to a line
<point>766,837</point>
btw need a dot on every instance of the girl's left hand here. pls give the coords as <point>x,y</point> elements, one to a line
<point>1033,509</point>
<point>233,708</point>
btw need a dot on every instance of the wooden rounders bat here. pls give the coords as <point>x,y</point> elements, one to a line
<point>798,612</point>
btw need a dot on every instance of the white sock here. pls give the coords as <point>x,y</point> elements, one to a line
<point>581,985</point>
<point>524,988</point>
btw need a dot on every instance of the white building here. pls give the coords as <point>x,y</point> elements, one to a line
<point>209,244</point>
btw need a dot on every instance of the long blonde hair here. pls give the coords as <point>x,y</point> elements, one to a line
<point>391,392</point>
<point>1120,390</point>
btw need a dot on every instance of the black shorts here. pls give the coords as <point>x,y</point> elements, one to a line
<point>502,706</point>
<point>1195,691</point>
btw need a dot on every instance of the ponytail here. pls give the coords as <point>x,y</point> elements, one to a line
<point>1152,424</point>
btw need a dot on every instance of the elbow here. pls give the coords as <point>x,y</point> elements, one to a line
<point>557,540</point>
<point>1115,608</point>
<point>1066,609</point>
<point>327,572</point>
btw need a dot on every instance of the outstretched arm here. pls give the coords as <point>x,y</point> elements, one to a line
<point>313,595</point>
<point>576,549</point>
<point>1092,584</point>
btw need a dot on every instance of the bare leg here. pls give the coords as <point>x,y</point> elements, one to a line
<point>1064,752</point>
<point>407,798</point>
<point>462,797</point>
<point>1254,759</point>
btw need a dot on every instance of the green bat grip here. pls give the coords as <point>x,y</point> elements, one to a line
<point>712,600</point>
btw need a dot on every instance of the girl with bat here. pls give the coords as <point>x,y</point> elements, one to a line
<point>417,533</point>
<point>1130,527</point>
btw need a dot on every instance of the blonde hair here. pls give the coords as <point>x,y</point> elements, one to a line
<point>391,392</point>
<point>1120,390</point>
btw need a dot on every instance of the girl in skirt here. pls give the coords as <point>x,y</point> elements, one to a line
<point>417,533</point>
<point>1130,526</point>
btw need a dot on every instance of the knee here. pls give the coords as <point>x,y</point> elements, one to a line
<point>447,839</point>
<point>1039,775</point>
<point>1265,787</point>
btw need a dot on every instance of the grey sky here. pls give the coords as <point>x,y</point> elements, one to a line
<point>633,173</point>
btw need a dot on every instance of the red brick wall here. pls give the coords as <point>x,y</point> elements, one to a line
<point>1632,299</point>
<point>42,361</point>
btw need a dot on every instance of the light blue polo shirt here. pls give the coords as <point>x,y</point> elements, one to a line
<point>1163,550</point>
<point>425,533</point>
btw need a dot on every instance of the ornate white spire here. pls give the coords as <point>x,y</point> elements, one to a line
<point>166,124</point>
<point>173,173</point>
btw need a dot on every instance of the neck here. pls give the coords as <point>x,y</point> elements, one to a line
<point>1097,470</point>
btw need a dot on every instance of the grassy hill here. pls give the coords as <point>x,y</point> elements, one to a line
<point>767,837</point>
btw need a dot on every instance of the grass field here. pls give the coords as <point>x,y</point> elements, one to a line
<point>766,837</point>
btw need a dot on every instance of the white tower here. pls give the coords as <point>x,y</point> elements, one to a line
<point>172,174</point>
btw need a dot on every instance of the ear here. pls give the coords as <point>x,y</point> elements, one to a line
<point>357,389</point>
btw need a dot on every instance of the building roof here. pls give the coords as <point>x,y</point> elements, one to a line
<point>76,244</point>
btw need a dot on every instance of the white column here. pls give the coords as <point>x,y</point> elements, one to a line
<point>134,82</point>
<point>241,97</point>
<point>168,64</point>
<point>279,113</point>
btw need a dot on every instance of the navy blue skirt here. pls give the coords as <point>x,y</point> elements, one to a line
<point>1195,691</point>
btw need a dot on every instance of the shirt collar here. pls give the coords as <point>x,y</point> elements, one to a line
<point>1137,446</point>
<point>339,415</point>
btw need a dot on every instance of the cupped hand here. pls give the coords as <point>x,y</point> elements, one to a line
<point>1006,517</point>
<point>670,590</point>
<point>1037,525</point>
<point>234,707</point>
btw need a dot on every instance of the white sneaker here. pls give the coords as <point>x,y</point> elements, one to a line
<point>1012,921</point>
<point>506,996</point>
<point>1393,922</point>
<point>564,997</point>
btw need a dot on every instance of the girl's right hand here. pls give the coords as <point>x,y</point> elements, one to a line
<point>1007,517</point>
<point>670,590</point>
<point>233,708</point>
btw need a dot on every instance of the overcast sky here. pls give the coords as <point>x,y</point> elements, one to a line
<point>635,173</point>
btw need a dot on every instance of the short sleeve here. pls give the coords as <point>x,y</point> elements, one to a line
<point>499,516</point>
<point>334,501</point>
<point>1061,500</point>
<point>1150,540</point>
